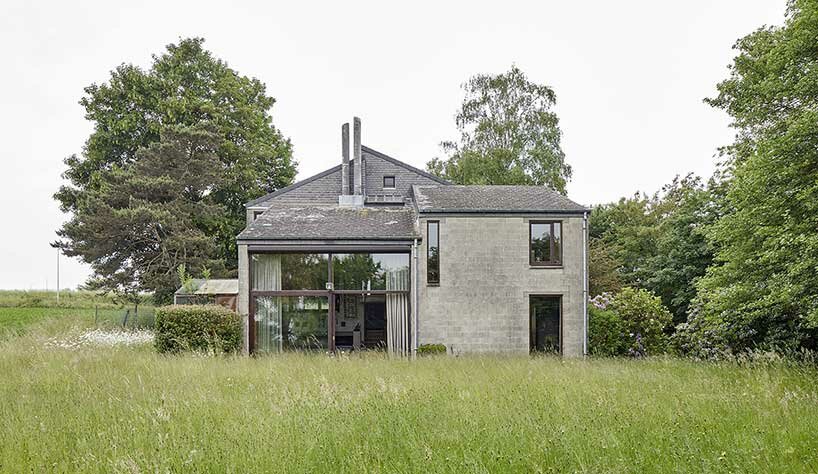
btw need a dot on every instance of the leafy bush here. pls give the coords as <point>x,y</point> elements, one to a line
<point>606,333</point>
<point>645,319</point>
<point>632,322</point>
<point>431,349</point>
<point>731,333</point>
<point>209,328</point>
<point>701,338</point>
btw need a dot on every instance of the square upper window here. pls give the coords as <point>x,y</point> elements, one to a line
<point>389,182</point>
<point>545,243</point>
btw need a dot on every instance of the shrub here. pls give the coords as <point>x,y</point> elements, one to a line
<point>431,349</point>
<point>607,336</point>
<point>209,328</point>
<point>646,320</point>
<point>632,322</point>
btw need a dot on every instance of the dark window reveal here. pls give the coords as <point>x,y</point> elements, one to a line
<point>389,182</point>
<point>545,330</point>
<point>545,243</point>
<point>433,253</point>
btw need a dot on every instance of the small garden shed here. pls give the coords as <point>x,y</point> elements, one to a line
<point>200,291</point>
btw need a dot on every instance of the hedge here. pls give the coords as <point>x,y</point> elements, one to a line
<point>203,328</point>
<point>431,349</point>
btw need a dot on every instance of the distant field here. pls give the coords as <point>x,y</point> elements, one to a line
<point>17,320</point>
<point>19,310</point>
<point>67,299</point>
<point>126,409</point>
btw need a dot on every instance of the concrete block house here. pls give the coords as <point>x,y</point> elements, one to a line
<point>376,253</point>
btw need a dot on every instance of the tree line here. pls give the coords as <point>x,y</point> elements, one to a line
<point>732,259</point>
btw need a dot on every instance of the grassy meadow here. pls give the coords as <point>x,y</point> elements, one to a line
<point>21,310</point>
<point>95,408</point>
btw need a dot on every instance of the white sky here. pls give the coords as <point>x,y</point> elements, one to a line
<point>629,76</point>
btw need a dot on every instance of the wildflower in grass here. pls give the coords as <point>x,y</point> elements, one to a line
<point>102,337</point>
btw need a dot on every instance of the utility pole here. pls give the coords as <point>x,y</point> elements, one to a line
<point>58,275</point>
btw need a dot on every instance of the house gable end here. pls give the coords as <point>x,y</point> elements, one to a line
<point>324,188</point>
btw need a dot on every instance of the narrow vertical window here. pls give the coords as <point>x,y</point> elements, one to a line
<point>433,253</point>
<point>545,243</point>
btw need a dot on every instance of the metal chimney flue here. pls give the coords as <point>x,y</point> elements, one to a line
<point>352,196</point>
<point>345,159</point>
<point>356,150</point>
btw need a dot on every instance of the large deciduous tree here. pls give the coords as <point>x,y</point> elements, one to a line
<point>763,291</point>
<point>145,219</point>
<point>509,134</point>
<point>184,86</point>
<point>655,242</point>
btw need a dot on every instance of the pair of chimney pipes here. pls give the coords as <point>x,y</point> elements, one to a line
<point>357,160</point>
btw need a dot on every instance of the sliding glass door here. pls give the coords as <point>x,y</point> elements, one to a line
<point>284,323</point>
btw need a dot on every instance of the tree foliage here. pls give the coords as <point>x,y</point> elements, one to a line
<point>655,242</point>
<point>509,134</point>
<point>184,87</point>
<point>146,219</point>
<point>763,291</point>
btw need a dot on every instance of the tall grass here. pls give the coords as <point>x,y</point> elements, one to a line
<point>129,410</point>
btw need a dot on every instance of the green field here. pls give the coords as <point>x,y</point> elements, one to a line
<point>21,310</point>
<point>127,409</point>
<point>66,299</point>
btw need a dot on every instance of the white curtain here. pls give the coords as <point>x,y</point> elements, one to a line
<point>397,311</point>
<point>267,277</point>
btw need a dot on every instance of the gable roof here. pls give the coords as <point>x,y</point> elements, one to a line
<point>332,223</point>
<point>366,149</point>
<point>337,169</point>
<point>278,192</point>
<point>493,199</point>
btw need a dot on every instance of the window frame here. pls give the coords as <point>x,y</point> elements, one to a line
<point>394,182</point>
<point>429,281</point>
<point>531,331</point>
<point>328,291</point>
<point>551,263</point>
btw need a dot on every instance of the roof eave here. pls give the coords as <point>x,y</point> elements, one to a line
<point>504,211</point>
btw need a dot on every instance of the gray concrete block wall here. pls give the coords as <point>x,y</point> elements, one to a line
<point>482,303</point>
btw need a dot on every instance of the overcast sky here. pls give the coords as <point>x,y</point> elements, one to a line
<point>630,77</point>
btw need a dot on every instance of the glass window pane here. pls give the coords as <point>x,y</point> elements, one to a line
<point>540,242</point>
<point>266,271</point>
<point>376,271</point>
<point>289,271</point>
<point>433,253</point>
<point>557,257</point>
<point>285,323</point>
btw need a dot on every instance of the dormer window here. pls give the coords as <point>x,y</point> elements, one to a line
<point>388,182</point>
